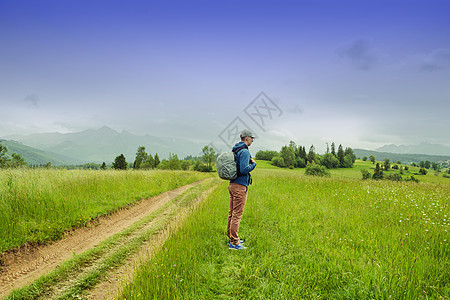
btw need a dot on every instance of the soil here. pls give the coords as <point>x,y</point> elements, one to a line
<point>24,265</point>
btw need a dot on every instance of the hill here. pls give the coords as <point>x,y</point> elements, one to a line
<point>404,158</point>
<point>35,156</point>
<point>104,144</point>
<point>425,148</point>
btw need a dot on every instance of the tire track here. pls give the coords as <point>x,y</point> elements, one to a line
<point>27,264</point>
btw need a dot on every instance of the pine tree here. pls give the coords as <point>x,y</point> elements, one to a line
<point>157,161</point>
<point>141,157</point>
<point>311,154</point>
<point>120,163</point>
<point>340,155</point>
<point>3,158</point>
<point>333,149</point>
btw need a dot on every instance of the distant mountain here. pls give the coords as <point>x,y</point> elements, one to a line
<point>104,144</point>
<point>35,156</point>
<point>422,148</point>
<point>403,158</point>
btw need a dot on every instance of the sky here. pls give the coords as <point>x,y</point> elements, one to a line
<point>358,73</point>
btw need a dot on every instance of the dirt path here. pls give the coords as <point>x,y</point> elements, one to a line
<point>27,264</point>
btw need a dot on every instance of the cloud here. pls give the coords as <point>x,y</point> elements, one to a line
<point>359,54</point>
<point>32,101</point>
<point>437,60</point>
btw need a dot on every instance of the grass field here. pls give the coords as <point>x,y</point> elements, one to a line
<point>39,205</point>
<point>308,237</point>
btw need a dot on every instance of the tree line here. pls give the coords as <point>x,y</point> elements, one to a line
<point>145,161</point>
<point>293,156</point>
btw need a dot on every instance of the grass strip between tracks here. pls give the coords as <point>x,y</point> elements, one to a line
<point>108,255</point>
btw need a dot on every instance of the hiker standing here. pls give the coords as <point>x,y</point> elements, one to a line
<point>238,188</point>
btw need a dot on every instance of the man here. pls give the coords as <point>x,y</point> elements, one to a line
<point>238,189</point>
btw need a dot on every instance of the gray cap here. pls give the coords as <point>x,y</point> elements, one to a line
<point>246,133</point>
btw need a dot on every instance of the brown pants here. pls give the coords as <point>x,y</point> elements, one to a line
<point>238,197</point>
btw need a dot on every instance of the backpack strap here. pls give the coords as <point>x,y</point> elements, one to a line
<point>235,151</point>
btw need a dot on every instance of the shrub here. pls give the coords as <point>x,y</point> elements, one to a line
<point>412,178</point>
<point>422,171</point>
<point>365,174</point>
<point>395,167</point>
<point>278,162</point>
<point>316,170</point>
<point>445,175</point>
<point>200,167</point>
<point>394,177</point>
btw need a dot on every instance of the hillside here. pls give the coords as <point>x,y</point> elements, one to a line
<point>404,158</point>
<point>104,144</point>
<point>425,148</point>
<point>35,156</point>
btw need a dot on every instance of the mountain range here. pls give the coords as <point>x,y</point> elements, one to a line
<point>100,145</point>
<point>422,148</point>
<point>105,144</point>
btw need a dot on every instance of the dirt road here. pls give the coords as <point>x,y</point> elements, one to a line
<point>27,264</point>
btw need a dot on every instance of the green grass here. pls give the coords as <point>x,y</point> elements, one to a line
<point>82,272</point>
<point>39,205</point>
<point>308,237</point>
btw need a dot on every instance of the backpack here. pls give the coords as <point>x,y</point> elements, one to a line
<point>227,166</point>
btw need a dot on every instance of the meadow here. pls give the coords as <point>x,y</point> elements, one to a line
<point>337,237</point>
<point>38,205</point>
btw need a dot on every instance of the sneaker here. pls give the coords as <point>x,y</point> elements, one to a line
<point>236,247</point>
<point>240,241</point>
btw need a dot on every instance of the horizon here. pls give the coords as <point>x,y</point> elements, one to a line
<point>254,148</point>
<point>363,75</point>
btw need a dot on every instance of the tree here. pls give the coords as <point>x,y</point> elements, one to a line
<point>288,156</point>
<point>434,166</point>
<point>427,164</point>
<point>422,171</point>
<point>157,161</point>
<point>3,158</point>
<point>349,157</point>
<point>333,149</point>
<point>293,145</point>
<point>209,156</point>
<point>141,157</point>
<point>120,163</point>
<point>328,149</point>
<point>377,174</point>
<point>372,159</point>
<point>17,161</point>
<point>330,161</point>
<point>103,167</point>
<point>149,163</point>
<point>340,155</point>
<point>422,164</point>
<point>364,158</point>
<point>387,164</point>
<point>311,154</point>
<point>266,155</point>
<point>185,164</point>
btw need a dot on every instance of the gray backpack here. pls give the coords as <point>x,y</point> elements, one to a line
<point>226,165</point>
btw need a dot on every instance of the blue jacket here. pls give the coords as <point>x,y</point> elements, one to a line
<point>245,167</point>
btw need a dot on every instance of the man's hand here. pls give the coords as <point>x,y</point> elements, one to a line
<point>252,160</point>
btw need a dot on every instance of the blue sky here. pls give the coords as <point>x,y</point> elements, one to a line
<point>360,73</point>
